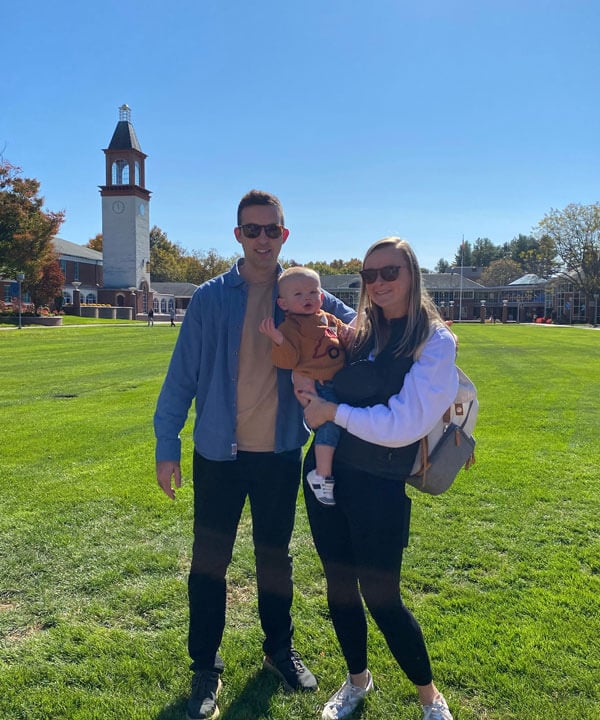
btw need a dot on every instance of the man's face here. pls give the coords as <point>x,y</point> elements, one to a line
<point>261,253</point>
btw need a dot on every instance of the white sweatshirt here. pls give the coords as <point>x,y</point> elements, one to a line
<point>429,389</point>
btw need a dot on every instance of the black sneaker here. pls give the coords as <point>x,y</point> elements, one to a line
<point>202,705</point>
<point>288,666</point>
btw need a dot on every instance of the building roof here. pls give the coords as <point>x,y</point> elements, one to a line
<point>334,282</point>
<point>471,271</point>
<point>529,279</point>
<point>431,281</point>
<point>177,289</point>
<point>124,137</point>
<point>74,251</point>
<point>449,281</point>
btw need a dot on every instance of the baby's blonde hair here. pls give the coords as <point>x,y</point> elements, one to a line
<point>298,271</point>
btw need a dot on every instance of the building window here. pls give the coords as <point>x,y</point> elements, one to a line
<point>63,267</point>
<point>90,298</point>
<point>137,172</point>
<point>120,172</point>
<point>75,271</point>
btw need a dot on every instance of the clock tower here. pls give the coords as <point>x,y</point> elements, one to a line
<point>125,220</point>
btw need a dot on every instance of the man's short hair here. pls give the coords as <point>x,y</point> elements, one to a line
<point>260,197</point>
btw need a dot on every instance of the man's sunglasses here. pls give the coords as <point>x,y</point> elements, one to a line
<point>253,230</point>
<point>387,273</point>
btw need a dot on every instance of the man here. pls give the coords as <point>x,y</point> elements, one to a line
<point>248,436</point>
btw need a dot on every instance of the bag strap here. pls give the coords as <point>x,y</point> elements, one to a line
<point>459,410</point>
<point>425,464</point>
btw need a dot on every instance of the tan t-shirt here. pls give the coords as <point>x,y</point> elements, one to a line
<point>257,377</point>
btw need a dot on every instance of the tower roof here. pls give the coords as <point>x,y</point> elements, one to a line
<point>124,137</point>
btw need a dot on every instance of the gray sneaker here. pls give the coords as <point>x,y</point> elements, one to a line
<point>289,668</point>
<point>345,701</point>
<point>202,705</point>
<point>438,710</point>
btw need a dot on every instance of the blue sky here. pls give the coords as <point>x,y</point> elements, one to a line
<point>429,119</point>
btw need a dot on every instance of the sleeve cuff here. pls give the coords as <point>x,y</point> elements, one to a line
<point>342,415</point>
<point>168,450</point>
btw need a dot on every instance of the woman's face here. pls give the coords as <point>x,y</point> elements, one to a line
<point>391,296</point>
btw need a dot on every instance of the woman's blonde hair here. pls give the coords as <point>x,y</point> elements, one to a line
<point>372,328</point>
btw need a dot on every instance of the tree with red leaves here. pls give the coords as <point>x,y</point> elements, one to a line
<point>26,229</point>
<point>48,286</point>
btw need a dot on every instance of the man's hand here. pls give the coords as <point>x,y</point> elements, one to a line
<point>167,470</point>
<point>267,327</point>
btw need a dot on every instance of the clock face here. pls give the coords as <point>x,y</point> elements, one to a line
<point>142,208</point>
<point>118,206</point>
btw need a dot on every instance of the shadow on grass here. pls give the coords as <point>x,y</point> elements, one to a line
<point>255,699</point>
<point>251,704</point>
<point>173,711</point>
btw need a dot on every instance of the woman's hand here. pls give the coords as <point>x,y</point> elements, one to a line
<point>302,384</point>
<point>317,411</point>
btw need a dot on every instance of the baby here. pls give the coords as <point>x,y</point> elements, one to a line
<point>311,343</point>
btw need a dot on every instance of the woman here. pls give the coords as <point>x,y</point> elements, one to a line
<point>360,540</point>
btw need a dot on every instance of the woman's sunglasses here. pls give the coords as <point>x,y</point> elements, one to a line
<point>253,230</point>
<point>387,273</point>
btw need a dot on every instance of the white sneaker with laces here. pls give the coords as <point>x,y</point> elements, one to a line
<point>438,710</point>
<point>345,701</point>
<point>321,487</point>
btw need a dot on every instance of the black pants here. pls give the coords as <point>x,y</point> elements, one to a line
<point>360,541</point>
<point>220,489</point>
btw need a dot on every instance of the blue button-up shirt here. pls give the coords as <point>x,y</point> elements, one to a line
<point>204,368</point>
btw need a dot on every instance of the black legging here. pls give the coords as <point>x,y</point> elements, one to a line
<point>360,542</point>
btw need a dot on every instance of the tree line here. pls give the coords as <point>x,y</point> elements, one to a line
<point>565,242</point>
<point>525,254</point>
<point>170,262</point>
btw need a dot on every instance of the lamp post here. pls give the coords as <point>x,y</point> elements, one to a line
<point>133,302</point>
<point>76,297</point>
<point>504,311</point>
<point>595,323</point>
<point>20,278</point>
<point>451,303</point>
<point>443,309</point>
<point>482,311</point>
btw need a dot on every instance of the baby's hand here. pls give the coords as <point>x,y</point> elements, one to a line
<point>267,327</point>
<point>346,335</point>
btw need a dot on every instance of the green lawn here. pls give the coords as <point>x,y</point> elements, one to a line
<point>502,571</point>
